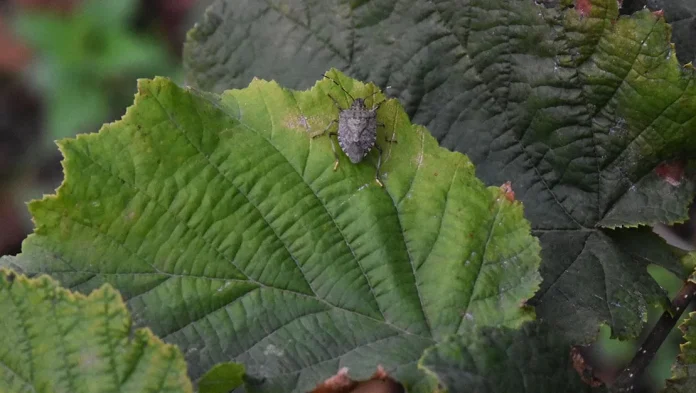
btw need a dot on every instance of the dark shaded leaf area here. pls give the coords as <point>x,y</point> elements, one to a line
<point>587,113</point>
<point>531,359</point>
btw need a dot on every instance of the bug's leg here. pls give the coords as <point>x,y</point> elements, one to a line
<point>379,165</point>
<point>386,138</point>
<point>375,107</point>
<point>339,85</point>
<point>318,134</point>
<point>333,146</point>
<point>333,149</point>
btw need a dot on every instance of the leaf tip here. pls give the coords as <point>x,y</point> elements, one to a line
<point>507,191</point>
<point>146,86</point>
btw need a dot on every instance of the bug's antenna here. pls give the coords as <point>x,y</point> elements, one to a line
<point>373,98</point>
<point>339,85</point>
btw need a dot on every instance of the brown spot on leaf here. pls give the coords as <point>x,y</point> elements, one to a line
<point>583,369</point>
<point>11,277</point>
<point>380,382</point>
<point>507,189</point>
<point>672,172</point>
<point>296,122</point>
<point>584,7</point>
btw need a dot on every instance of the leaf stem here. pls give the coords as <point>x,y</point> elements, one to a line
<point>625,382</point>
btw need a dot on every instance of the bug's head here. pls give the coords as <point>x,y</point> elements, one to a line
<point>359,103</point>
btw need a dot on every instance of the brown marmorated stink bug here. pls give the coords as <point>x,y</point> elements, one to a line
<point>357,130</point>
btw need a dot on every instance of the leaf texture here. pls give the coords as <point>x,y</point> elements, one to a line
<point>223,224</point>
<point>55,341</point>
<point>588,114</point>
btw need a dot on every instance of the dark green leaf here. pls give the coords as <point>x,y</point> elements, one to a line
<point>498,360</point>
<point>582,111</point>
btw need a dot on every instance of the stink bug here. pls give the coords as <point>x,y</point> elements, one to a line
<point>357,130</point>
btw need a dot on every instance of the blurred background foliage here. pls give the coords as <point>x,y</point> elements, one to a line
<point>68,66</point>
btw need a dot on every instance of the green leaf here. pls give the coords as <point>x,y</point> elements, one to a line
<point>681,14</point>
<point>582,111</point>
<point>683,378</point>
<point>222,378</point>
<point>55,341</point>
<point>222,222</point>
<point>530,359</point>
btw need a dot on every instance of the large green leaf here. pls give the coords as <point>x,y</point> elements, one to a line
<point>497,360</point>
<point>55,341</point>
<point>580,109</point>
<point>684,371</point>
<point>223,224</point>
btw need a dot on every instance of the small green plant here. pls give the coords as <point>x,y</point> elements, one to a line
<point>86,62</point>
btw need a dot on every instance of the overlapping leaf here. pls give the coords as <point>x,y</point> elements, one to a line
<point>583,111</point>
<point>55,341</point>
<point>680,14</point>
<point>223,224</point>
